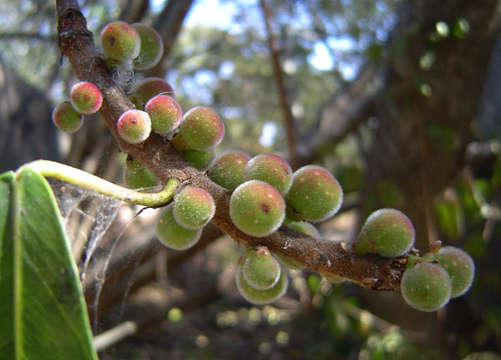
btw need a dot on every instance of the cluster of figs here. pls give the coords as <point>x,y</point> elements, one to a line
<point>265,193</point>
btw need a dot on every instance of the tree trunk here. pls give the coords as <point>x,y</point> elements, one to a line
<point>424,118</point>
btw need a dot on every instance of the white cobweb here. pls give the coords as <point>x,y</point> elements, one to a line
<point>94,228</point>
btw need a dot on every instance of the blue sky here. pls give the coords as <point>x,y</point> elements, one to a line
<point>216,13</point>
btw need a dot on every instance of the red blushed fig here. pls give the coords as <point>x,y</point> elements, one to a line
<point>165,114</point>
<point>134,126</point>
<point>120,41</point>
<point>148,88</point>
<point>86,98</point>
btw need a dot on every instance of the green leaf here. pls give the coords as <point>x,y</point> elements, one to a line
<point>42,306</point>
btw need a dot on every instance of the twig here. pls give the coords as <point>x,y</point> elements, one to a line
<point>168,25</point>
<point>156,314</point>
<point>433,242</point>
<point>342,115</point>
<point>75,42</point>
<point>114,335</point>
<point>278,74</point>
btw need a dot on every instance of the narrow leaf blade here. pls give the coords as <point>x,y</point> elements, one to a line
<point>50,318</point>
<point>7,350</point>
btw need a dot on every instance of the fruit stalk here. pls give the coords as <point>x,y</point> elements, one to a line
<point>88,181</point>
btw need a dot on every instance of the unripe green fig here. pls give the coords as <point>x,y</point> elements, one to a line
<point>426,286</point>
<point>202,128</point>
<point>460,267</point>
<point>200,159</point>
<point>86,98</point>
<point>134,126</point>
<point>179,144</point>
<point>66,118</point>
<point>152,47</point>
<point>173,235</point>
<point>260,269</point>
<point>147,88</point>
<point>120,41</point>
<point>137,176</point>
<point>257,208</point>
<point>291,215</point>
<point>269,168</point>
<point>227,169</point>
<point>304,227</point>
<point>387,232</point>
<point>315,193</point>
<point>193,207</point>
<point>261,297</point>
<point>165,114</point>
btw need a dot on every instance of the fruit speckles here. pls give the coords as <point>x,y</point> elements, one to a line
<point>315,194</point>
<point>152,47</point>
<point>387,232</point>
<point>257,208</point>
<point>227,169</point>
<point>460,267</point>
<point>66,118</point>
<point>193,207</point>
<point>86,98</point>
<point>120,41</point>
<point>426,287</point>
<point>269,168</point>
<point>134,126</point>
<point>165,114</point>
<point>148,88</point>
<point>202,128</point>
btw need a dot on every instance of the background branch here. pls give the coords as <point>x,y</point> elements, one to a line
<point>27,36</point>
<point>278,74</point>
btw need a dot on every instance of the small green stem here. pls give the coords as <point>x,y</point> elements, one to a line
<point>88,181</point>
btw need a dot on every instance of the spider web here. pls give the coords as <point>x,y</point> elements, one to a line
<point>90,220</point>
